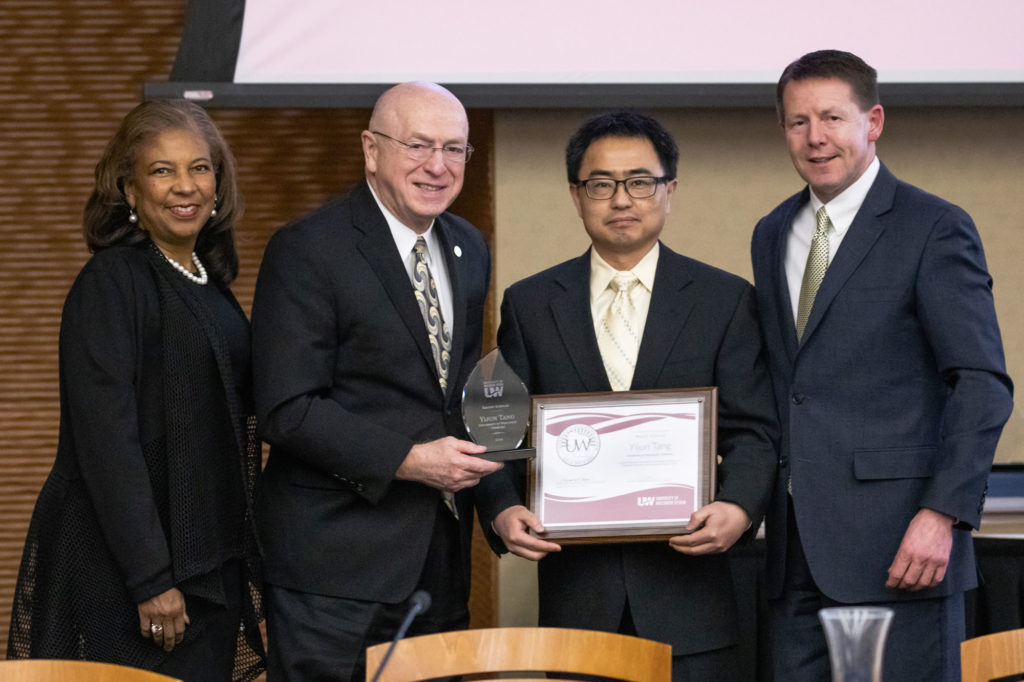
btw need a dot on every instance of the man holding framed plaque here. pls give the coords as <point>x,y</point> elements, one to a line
<point>673,323</point>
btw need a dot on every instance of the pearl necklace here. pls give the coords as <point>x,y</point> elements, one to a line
<point>201,278</point>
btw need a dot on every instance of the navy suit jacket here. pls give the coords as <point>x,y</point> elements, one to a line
<point>896,395</point>
<point>345,384</point>
<point>701,331</point>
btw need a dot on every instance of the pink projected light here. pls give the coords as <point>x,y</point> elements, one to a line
<point>606,41</point>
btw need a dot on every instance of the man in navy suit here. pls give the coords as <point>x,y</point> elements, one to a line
<point>695,326</point>
<point>877,311</point>
<point>366,323</point>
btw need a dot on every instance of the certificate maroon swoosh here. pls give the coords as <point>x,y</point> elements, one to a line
<point>607,423</point>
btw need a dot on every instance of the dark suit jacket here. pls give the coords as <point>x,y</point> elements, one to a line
<point>345,385</point>
<point>701,331</point>
<point>896,396</point>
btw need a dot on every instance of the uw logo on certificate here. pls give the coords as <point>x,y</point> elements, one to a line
<point>578,445</point>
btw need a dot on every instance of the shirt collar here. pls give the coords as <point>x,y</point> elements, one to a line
<point>843,208</point>
<point>405,236</point>
<point>601,272</point>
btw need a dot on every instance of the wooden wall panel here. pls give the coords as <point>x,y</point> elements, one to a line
<point>69,70</point>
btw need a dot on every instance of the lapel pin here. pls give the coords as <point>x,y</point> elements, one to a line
<point>458,251</point>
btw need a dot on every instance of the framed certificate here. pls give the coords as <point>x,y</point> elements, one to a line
<point>629,466</point>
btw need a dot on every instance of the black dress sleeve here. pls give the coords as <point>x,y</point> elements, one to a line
<point>103,351</point>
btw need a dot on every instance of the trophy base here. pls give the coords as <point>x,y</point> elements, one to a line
<point>508,455</point>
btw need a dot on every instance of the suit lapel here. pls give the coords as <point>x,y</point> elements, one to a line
<point>784,305</point>
<point>378,248</point>
<point>861,237</point>
<point>670,307</point>
<point>570,307</point>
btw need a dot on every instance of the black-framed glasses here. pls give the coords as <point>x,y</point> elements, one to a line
<point>418,151</point>
<point>638,186</point>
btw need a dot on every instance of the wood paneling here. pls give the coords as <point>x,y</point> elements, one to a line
<point>69,70</point>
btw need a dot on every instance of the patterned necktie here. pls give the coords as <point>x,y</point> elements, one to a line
<point>814,272</point>
<point>618,337</point>
<point>437,331</point>
<point>430,307</point>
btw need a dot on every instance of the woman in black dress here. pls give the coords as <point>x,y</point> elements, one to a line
<point>140,550</point>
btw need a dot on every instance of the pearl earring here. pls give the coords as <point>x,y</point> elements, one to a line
<point>132,218</point>
<point>213,213</point>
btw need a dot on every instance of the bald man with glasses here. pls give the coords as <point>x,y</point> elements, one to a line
<point>366,323</point>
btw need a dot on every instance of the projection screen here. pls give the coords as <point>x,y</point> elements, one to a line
<point>543,53</point>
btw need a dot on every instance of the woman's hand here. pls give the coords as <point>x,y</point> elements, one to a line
<point>163,618</point>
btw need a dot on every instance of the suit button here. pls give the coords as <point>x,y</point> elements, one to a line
<point>798,398</point>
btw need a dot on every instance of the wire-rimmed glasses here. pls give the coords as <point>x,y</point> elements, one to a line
<point>419,151</point>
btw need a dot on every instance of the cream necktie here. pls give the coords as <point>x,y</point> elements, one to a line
<point>618,337</point>
<point>814,272</point>
<point>437,331</point>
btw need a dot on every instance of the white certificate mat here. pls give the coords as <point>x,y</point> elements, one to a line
<point>622,466</point>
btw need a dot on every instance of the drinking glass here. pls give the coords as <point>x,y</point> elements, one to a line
<point>856,641</point>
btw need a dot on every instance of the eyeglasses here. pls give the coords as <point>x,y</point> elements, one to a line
<point>417,151</point>
<point>638,187</point>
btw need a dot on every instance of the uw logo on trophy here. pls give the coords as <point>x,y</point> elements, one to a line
<point>578,445</point>
<point>494,389</point>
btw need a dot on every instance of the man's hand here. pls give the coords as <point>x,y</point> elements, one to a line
<point>447,464</point>
<point>716,527</point>
<point>514,524</point>
<point>923,555</point>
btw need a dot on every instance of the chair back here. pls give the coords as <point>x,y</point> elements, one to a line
<point>991,657</point>
<point>522,650</point>
<point>39,670</point>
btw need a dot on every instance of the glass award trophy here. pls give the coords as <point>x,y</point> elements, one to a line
<point>496,409</point>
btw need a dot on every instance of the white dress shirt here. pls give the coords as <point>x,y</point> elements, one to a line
<point>841,211</point>
<point>405,241</point>
<point>601,273</point>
